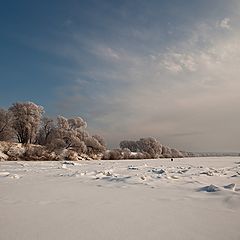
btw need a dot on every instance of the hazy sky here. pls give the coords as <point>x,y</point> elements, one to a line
<point>168,69</point>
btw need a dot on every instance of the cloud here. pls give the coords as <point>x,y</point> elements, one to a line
<point>108,52</point>
<point>184,92</point>
<point>177,62</point>
<point>225,23</point>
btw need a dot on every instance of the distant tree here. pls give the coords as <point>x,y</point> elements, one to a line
<point>126,153</point>
<point>100,139</point>
<point>114,154</point>
<point>151,146</point>
<point>6,131</point>
<point>176,153</point>
<point>94,146</point>
<point>26,118</point>
<point>131,145</point>
<point>166,152</point>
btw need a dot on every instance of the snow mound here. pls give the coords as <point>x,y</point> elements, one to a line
<point>117,178</point>
<point>208,173</point>
<point>158,171</point>
<point>4,174</point>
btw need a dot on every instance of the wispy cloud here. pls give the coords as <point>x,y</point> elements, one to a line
<point>225,23</point>
<point>132,83</point>
<point>177,62</point>
<point>130,68</point>
<point>174,89</point>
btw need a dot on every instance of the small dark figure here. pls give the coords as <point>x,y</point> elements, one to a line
<point>172,159</point>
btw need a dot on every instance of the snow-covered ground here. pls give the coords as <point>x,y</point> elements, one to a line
<point>194,198</point>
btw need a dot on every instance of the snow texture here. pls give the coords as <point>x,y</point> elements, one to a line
<point>189,198</point>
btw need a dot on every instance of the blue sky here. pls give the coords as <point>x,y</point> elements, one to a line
<point>168,69</point>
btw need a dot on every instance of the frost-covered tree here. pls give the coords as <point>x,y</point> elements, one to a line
<point>26,119</point>
<point>151,146</point>
<point>131,145</point>
<point>166,152</point>
<point>6,131</point>
<point>176,153</point>
<point>66,134</point>
<point>76,123</point>
<point>100,139</point>
<point>114,154</point>
<point>70,134</point>
<point>126,153</point>
<point>46,131</point>
<point>95,144</point>
<point>25,122</point>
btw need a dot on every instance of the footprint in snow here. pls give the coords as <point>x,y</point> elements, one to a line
<point>210,188</point>
<point>131,167</point>
<point>158,171</point>
<point>231,186</point>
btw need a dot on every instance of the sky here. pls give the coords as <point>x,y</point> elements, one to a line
<point>162,68</point>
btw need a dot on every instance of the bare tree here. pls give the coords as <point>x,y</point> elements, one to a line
<point>26,120</point>
<point>6,132</point>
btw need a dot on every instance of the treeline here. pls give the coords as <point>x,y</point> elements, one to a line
<point>45,138</point>
<point>144,148</point>
<point>26,123</point>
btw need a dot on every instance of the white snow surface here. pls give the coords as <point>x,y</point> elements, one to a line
<point>188,199</point>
